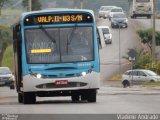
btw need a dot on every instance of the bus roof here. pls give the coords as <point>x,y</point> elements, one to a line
<point>57,10</point>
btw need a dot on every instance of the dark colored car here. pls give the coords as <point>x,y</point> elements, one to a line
<point>6,77</point>
<point>119,20</point>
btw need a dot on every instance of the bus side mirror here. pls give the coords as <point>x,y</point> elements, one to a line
<point>98,40</point>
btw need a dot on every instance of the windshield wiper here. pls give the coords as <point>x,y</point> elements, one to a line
<point>49,36</point>
<point>69,38</point>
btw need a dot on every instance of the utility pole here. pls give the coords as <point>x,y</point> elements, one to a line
<point>119,49</point>
<point>153,31</point>
<point>29,5</point>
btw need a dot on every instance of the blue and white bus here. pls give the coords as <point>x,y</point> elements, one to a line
<point>56,54</point>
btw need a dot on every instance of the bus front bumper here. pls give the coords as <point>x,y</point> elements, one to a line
<point>33,84</point>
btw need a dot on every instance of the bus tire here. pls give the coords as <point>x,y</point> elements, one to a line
<point>84,95</point>
<point>75,96</point>
<point>29,98</point>
<point>20,97</point>
<point>91,95</point>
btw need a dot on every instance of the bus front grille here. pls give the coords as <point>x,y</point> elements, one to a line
<point>53,85</point>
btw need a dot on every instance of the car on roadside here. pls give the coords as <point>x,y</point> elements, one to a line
<point>119,20</point>
<point>139,76</point>
<point>104,11</point>
<point>115,10</point>
<point>106,34</point>
<point>6,77</point>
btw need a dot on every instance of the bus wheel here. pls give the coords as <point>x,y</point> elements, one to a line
<point>91,95</point>
<point>29,98</point>
<point>20,97</point>
<point>75,96</point>
<point>84,96</point>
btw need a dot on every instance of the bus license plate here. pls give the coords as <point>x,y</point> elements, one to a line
<point>61,82</point>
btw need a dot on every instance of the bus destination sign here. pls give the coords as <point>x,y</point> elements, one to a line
<point>58,19</point>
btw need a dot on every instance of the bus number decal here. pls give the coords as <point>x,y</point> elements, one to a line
<point>41,51</point>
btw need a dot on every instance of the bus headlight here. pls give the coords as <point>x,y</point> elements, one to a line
<point>84,74</point>
<point>39,76</point>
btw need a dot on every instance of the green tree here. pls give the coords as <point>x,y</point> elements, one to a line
<point>36,4</point>
<point>146,37</point>
<point>142,60</point>
<point>154,66</point>
<point>2,2</point>
<point>5,40</point>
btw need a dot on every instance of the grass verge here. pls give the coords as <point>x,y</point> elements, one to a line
<point>116,78</point>
<point>8,58</point>
<point>151,84</point>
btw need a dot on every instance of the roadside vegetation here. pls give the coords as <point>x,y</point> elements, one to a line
<point>143,58</point>
<point>8,58</point>
<point>151,84</point>
<point>5,40</point>
<point>146,37</point>
<point>116,78</point>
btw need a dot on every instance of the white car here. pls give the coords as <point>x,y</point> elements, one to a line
<point>106,34</point>
<point>138,76</point>
<point>104,11</point>
<point>115,10</point>
<point>6,77</point>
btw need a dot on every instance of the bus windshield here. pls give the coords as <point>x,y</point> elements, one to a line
<point>59,45</point>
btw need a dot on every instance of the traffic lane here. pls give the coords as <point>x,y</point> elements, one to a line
<point>6,91</point>
<point>106,104</point>
<point>109,100</point>
<point>109,55</point>
<point>147,23</point>
<point>128,39</point>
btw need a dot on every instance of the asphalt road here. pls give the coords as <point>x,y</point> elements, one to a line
<point>112,98</point>
<point>146,23</point>
<point>109,54</point>
<point>109,100</point>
